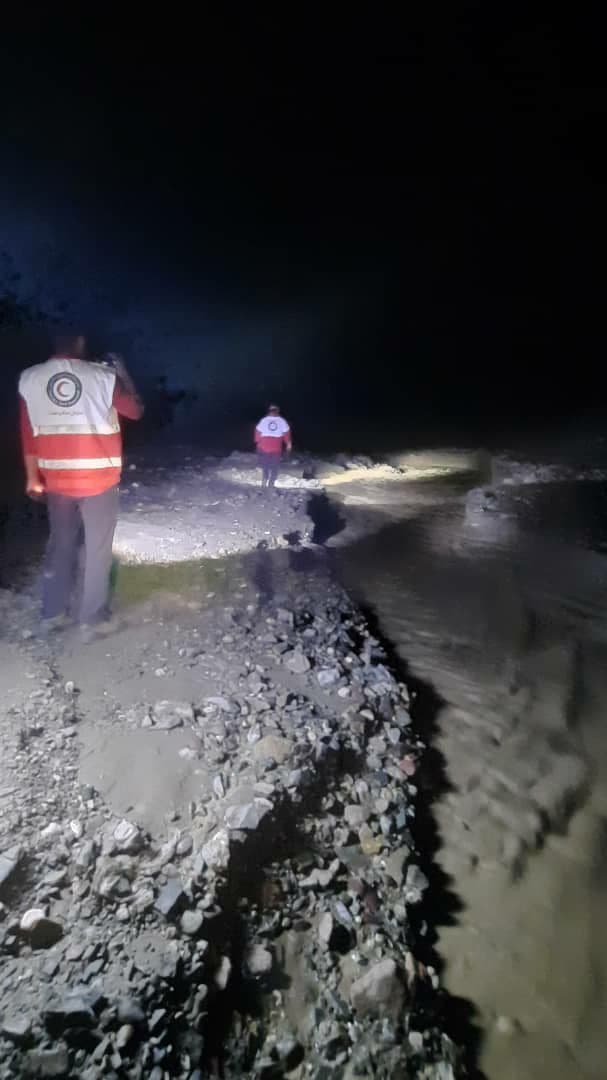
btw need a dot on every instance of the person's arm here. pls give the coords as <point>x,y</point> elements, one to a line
<point>257,435</point>
<point>126,400</point>
<point>33,480</point>
<point>288,440</point>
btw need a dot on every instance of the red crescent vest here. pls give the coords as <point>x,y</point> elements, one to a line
<point>75,425</point>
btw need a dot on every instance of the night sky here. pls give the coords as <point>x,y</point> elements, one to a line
<point>370,221</point>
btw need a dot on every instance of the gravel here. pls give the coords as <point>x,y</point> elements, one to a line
<point>269,900</point>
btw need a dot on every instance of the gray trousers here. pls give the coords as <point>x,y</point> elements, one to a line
<point>269,464</point>
<point>70,516</point>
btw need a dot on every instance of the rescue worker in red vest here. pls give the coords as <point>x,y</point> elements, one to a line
<point>72,446</point>
<point>272,433</point>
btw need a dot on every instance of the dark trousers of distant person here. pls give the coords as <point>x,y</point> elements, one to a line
<point>269,465</point>
<point>70,517</point>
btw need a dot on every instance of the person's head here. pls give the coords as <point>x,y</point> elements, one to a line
<point>273,410</point>
<point>70,345</point>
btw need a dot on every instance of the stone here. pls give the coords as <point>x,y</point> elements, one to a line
<point>51,830</point>
<point>408,765</point>
<point>127,837</point>
<point>86,855</point>
<point>371,844</point>
<point>75,1010</point>
<point>130,1012</point>
<point>272,746</point>
<point>143,899</point>
<point>172,714</point>
<point>254,683</point>
<point>342,913</point>
<point>297,662</point>
<point>54,1062</point>
<point>328,676</point>
<point>321,878</point>
<point>124,1036</point>
<point>170,897</point>
<point>258,960</point>
<point>395,864</point>
<point>222,975</point>
<point>16,1028</point>
<point>156,1021</point>
<point>379,991</point>
<point>325,928</point>
<point>191,922</point>
<point>221,703</point>
<point>401,717</point>
<point>415,884</point>
<point>41,931</point>
<point>153,955</point>
<point>355,816</point>
<point>216,851</point>
<point>247,816</point>
<point>9,861</point>
<point>185,845</point>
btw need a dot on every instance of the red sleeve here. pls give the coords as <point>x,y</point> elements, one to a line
<point>28,442</point>
<point>126,404</point>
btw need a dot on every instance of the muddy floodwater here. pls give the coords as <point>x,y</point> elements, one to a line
<point>499,603</point>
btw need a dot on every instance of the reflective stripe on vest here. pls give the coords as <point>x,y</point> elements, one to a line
<point>111,428</point>
<point>80,463</point>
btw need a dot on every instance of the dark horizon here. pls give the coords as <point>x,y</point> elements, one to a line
<point>359,221</point>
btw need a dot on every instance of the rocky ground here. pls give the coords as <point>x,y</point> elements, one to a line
<point>189,507</point>
<point>208,862</point>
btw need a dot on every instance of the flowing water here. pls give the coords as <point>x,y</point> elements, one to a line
<point>499,604</point>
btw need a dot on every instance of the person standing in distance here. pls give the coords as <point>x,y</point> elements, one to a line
<point>72,447</point>
<point>272,433</point>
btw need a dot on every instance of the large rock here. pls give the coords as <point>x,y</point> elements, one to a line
<point>17,1029</point>
<point>328,676</point>
<point>172,714</point>
<point>191,923</point>
<point>75,1010</point>
<point>247,816</point>
<point>271,746</point>
<point>40,931</point>
<point>127,836</point>
<point>170,898</point>
<point>258,960</point>
<point>216,851</point>
<point>297,662</point>
<point>153,954</point>
<point>53,1062</point>
<point>379,991</point>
